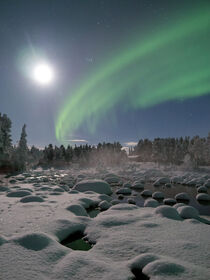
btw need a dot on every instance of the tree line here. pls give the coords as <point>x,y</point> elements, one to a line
<point>20,157</point>
<point>195,150</point>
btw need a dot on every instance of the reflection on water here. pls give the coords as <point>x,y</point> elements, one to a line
<point>170,192</point>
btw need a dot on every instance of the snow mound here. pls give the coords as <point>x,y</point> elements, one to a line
<point>104,205</point>
<point>19,193</point>
<point>115,201</point>
<point>137,185</point>
<point>202,189</point>
<point>177,205</point>
<point>167,212</point>
<point>163,267</point>
<point>31,198</point>
<point>182,196</point>
<point>77,210</point>
<point>98,186</point>
<point>151,203</point>
<point>139,262</point>
<point>169,201</point>
<point>62,228</point>
<point>203,197</point>
<point>127,185</point>
<point>158,195</point>
<point>124,191</point>
<point>146,193</point>
<point>161,181</point>
<point>88,202</point>
<point>176,180</point>
<point>188,212</point>
<point>33,241</point>
<point>112,180</point>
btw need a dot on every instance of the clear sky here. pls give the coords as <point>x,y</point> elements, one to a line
<point>123,69</point>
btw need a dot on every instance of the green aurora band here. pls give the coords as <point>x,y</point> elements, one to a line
<point>173,63</point>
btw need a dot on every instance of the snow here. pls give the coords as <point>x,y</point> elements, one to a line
<point>163,242</point>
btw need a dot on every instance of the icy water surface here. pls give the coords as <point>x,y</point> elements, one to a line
<point>76,242</point>
<point>169,192</point>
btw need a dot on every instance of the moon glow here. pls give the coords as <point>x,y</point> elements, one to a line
<point>43,74</point>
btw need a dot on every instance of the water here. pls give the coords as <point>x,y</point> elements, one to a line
<point>76,242</point>
<point>202,207</point>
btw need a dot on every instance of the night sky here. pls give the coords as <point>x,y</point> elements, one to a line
<point>123,69</point>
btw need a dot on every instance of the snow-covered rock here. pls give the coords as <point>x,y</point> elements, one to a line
<point>124,191</point>
<point>167,212</point>
<point>177,180</point>
<point>202,189</point>
<point>19,193</point>
<point>158,195</point>
<point>126,185</point>
<point>150,202</point>
<point>31,198</point>
<point>77,210</point>
<point>188,212</point>
<point>115,201</point>
<point>207,183</point>
<point>112,180</point>
<point>182,196</point>
<point>177,205</point>
<point>98,186</point>
<point>131,201</point>
<point>4,189</point>
<point>203,197</point>
<point>104,205</point>
<point>146,193</point>
<point>138,185</point>
<point>169,201</point>
<point>161,181</point>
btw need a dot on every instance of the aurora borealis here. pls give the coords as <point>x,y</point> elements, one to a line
<point>124,70</point>
<point>168,63</point>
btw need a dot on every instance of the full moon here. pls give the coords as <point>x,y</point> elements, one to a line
<point>43,74</point>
